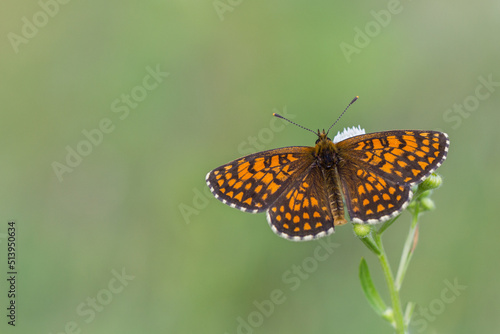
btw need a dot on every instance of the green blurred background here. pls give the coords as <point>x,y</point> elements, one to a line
<point>137,203</point>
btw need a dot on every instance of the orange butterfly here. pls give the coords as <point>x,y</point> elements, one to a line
<point>303,189</point>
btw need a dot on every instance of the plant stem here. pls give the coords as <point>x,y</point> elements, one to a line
<point>407,253</point>
<point>420,203</point>
<point>395,299</point>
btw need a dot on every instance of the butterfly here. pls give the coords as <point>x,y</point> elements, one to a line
<point>303,189</point>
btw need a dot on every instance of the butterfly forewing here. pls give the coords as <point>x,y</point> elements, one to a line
<point>404,156</point>
<point>254,182</point>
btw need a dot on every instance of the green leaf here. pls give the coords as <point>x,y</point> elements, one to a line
<point>369,289</point>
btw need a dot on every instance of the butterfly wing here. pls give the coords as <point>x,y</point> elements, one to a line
<point>254,182</point>
<point>378,169</point>
<point>371,198</point>
<point>310,208</point>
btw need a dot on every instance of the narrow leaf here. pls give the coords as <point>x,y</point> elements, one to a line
<point>408,313</point>
<point>369,289</point>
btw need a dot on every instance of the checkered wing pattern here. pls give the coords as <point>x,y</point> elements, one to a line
<point>310,208</point>
<point>254,182</point>
<point>378,169</point>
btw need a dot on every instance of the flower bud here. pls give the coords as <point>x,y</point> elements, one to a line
<point>432,182</point>
<point>427,204</point>
<point>389,316</point>
<point>361,230</point>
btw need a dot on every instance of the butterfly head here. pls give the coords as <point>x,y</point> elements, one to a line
<point>322,136</point>
<point>325,151</point>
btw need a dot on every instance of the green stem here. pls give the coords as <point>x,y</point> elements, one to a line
<point>395,299</point>
<point>407,253</point>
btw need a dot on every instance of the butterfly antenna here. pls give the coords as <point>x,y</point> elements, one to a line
<point>353,100</point>
<point>300,126</point>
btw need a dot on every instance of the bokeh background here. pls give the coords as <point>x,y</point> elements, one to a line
<point>136,205</point>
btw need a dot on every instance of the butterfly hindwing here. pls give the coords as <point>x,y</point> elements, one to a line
<point>371,198</point>
<point>254,182</point>
<point>308,209</point>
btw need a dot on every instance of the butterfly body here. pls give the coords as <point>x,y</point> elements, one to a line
<point>325,151</point>
<point>303,189</point>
